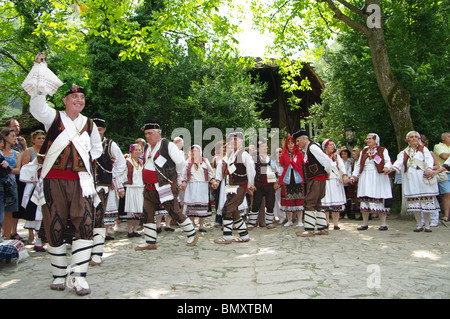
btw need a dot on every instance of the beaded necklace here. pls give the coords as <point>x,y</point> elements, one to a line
<point>371,152</point>
<point>135,166</point>
<point>411,151</point>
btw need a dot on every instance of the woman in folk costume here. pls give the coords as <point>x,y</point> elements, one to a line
<point>419,185</point>
<point>374,186</point>
<point>31,212</point>
<point>196,176</point>
<point>292,181</point>
<point>134,196</point>
<point>334,200</point>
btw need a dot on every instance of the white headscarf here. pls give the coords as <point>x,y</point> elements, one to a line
<point>407,137</point>
<point>197,147</point>
<point>377,138</point>
<point>325,143</point>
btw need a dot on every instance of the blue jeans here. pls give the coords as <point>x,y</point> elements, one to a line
<point>6,195</point>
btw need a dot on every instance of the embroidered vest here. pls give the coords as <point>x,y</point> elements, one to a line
<point>167,174</point>
<point>313,168</point>
<point>104,165</point>
<point>261,169</point>
<point>365,155</point>
<point>70,153</point>
<point>406,156</point>
<point>239,176</point>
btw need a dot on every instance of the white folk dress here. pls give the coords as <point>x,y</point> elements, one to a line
<point>134,196</point>
<point>419,195</point>
<point>335,198</point>
<point>373,187</point>
<point>196,195</point>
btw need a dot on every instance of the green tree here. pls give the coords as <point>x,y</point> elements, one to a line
<point>190,83</point>
<point>297,23</point>
<point>413,33</point>
<point>134,58</point>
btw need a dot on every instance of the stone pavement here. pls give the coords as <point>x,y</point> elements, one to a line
<point>275,264</point>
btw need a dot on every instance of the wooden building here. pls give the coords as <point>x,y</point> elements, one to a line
<point>281,114</point>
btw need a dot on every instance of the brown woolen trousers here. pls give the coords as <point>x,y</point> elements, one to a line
<point>64,199</point>
<point>152,203</point>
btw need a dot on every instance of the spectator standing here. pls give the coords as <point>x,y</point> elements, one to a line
<point>14,160</point>
<point>442,151</point>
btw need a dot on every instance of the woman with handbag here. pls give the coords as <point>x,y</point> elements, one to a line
<point>442,151</point>
<point>419,184</point>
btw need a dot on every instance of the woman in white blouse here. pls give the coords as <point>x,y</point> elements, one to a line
<point>134,196</point>
<point>334,200</point>
<point>372,169</point>
<point>419,185</point>
<point>196,176</point>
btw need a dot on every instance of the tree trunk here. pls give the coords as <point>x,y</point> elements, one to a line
<point>396,97</point>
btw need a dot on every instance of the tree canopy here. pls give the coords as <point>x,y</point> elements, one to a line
<point>172,60</point>
<point>420,60</point>
<point>179,60</point>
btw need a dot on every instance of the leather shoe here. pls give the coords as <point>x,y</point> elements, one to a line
<point>305,234</point>
<point>151,246</point>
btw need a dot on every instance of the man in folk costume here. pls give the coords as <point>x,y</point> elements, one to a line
<point>265,184</point>
<point>163,166</point>
<point>110,174</point>
<point>67,184</point>
<point>239,176</point>
<point>317,168</point>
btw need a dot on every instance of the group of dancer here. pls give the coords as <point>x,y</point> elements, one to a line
<point>82,174</point>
